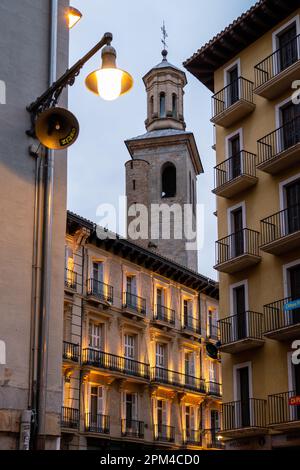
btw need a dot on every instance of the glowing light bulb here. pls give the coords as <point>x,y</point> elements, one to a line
<point>109,83</point>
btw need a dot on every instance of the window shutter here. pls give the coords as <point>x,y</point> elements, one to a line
<point>134,406</point>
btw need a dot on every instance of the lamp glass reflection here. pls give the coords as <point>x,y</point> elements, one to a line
<point>73,16</point>
<point>109,83</point>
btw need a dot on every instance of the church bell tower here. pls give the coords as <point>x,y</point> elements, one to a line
<point>163,169</point>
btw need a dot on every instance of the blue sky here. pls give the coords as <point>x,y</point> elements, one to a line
<point>96,173</point>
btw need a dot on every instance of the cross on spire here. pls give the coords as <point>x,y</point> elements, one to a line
<point>164,36</point>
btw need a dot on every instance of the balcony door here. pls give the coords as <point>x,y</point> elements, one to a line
<point>97,278</point>
<point>294,284</point>
<point>233,88</point>
<point>96,407</point>
<point>244,397</point>
<point>292,195</point>
<point>161,411</point>
<point>290,121</point>
<point>237,224</point>
<point>214,425</point>
<point>189,368</point>
<point>130,409</point>
<point>235,157</point>
<point>161,361</point>
<point>160,302</point>
<point>96,336</point>
<point>131,290</point>
<point>239,299</point>
<point>288,51</point>
<point>129,352</point>
<point>190,422</point>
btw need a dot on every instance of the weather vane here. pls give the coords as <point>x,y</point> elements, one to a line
<point>165,35</point>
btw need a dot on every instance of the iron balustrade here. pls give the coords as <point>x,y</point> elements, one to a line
<point>191,323</point>
<point>69,418</point>
<point>243,163</point>
<point>132,428</point>
<point>280,225</point>
<point>239,89</point>
<point>177,379</point>
<point>214,388</point>
<point>71,351</point>
<point>212,440</point>
<point>244,414</point>
<point>277,62</point>
<point>213,332</point>
<point>245,325</point>
<point>164,314</point>
<point>134,302</point>
<point>164,433</point>
<point>243,242</point>
<point>97,423</point>
<point>278,141</point>
<point>277,317</point>
<point>281,410</point>
<point>103,360</point>
<point>70,279</point>
<point>192,436</point>
<point>100,290</point>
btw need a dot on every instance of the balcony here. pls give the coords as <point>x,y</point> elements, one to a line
<point>132,428</point>
<point>99,291</point>
<point>70,280</point>
<point>275,74</point>
<point>69,418</point>
<point>164,433</point>
<point>213,332</point>
<point>164,316</point>
<point>214,389</point>
<point>244,418</point>
<point>236,174</point>
<point>280,149</point>
<point>281,323</point>
<point>241,332</point>
<point>281,231</point>
<point>113,363</point>
<point>238,251</point>
<point>233,103</point>
<point>133,304</point>
<point>192,437</point>
<point>212,439</point>
<point>164,376</point>
<point>97,423</point>
<point>71,352</point>
<point>284,411</point>
<point>191,326</point>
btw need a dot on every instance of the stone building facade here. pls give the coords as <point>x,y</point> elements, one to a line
<point>140,366</point>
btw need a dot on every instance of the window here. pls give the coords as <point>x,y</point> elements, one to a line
<point>187,312</point>
<point>129,346</point>
<point>133,185</point>
<point>160,301</point>
<point>161,361</point>
<point>174,105</point>
<point>131,284</point>
<point>189,364</point>
<point>233,88</point>
<point>189,420</point>
<point>96,335</point>
<point>162,105</point>
<point>130,408</point>
<point>243,393</point>
<point>287,45</point>
<point>151,106</point>
<point>289,116</point>
<point>96,403</point>
<point>168,180</point>
<point>234,150</point>
<point>161,414</point>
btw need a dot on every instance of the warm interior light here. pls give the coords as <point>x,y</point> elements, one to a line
<point>73,16</point>
<point>109,83</point>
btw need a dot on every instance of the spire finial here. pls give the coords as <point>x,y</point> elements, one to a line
<point>164,42</point>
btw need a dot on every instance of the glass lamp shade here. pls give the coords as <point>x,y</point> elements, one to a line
<point>73,16</point>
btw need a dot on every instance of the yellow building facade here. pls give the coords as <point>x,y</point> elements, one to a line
<point>251,67</point>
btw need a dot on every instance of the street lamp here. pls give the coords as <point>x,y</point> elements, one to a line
<point>72,16</point>
<point>56,131</point>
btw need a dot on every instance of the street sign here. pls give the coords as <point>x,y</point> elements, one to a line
<point>294,401</point>
<point>293,305</point>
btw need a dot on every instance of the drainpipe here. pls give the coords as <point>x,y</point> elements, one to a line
<point>47,250</point>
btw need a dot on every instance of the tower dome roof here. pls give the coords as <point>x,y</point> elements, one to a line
<point>164,64</point>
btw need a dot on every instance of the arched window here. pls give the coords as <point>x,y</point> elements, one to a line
<point>168,179</point>
<point>151,106</point>
<point>174,105</point>
<point>162,105</point>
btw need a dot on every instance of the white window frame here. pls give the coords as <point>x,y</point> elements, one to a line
<point>275,38</point>
<point>101,334</point>
<point>236,367</point>
<point>230,210</point>
<point>282,199</point>
<point>278,121</point>
<point>232,303</point>
<point>286,283</point>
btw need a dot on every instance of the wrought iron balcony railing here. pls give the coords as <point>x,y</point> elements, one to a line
<point>71,351</point>
<point>97,423</point>
<point>133,428</point>
<point>134,302</point>
<point>164,433</point>
<point>69,418</point>
<point>213,332</point>
<point>277,316</point>
<point>243,242</point>
<point>239,89</point>
<point>214,388</point>
<point>111,362</point>
<point>212,439</point>
<point>191,323</point>
<point>100,290</point>
<point>283,138</point>
<point>280,225</point>
<point>245,325</point>
<point>277,62</point>
<point>249,413</point>
<point>243,163</point>
<point>70,279</point>
<point>192,437</point>
<point>164,314</point>
<point>170,377</point>
<point>284,408</point>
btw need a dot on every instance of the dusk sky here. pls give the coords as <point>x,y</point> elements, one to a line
<point>96,173</point>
